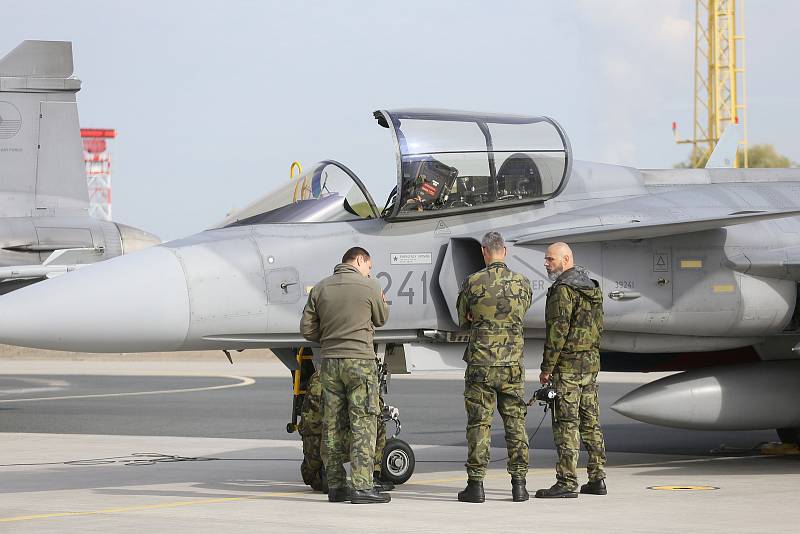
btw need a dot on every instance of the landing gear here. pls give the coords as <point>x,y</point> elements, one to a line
<point>305,368</point>
<point>398,461</point>
<point>789,435</point>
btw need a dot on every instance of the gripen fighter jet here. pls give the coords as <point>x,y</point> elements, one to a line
<point>45,228</point>
<point>699,268</point>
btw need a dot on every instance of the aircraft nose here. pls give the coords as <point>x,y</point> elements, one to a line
<point>136,302</point>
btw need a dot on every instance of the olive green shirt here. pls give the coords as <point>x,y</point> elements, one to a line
<point>342,312</point>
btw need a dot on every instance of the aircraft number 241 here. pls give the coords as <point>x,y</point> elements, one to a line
<point>405,290</point>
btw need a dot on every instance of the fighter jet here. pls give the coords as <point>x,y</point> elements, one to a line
<point>699,267</point>
<point>45,228</point>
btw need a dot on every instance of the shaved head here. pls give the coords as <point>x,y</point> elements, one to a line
<point>560,248</point>
<point>557,259</point>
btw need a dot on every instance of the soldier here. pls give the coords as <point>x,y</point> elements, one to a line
<point>492,304</point>
<point>574,322</point>
<point>341,314</point>
<point>312,469</point>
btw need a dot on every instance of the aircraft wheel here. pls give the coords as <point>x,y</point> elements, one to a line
<point>398,461</point>
<point>789,435</point>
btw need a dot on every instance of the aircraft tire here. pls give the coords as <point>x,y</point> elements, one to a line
<point>398,461</point>
<point>789,435</point>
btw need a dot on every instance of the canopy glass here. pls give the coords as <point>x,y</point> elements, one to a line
<point>455,161</point>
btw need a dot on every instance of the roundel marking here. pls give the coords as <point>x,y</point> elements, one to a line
<point>10,120</point>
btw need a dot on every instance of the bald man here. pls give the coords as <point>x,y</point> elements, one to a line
<point>574,323</point>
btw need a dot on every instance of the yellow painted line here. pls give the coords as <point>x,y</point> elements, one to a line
<point>691,264</point>
<point>683,488</point>
<point>243,381</point>
<point>723,288</point>
<point>199,502</point>
<point>122,510</point>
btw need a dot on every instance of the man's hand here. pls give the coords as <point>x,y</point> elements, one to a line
<point>469,316</point>
<point>383,296</point>
<point>544,378</point>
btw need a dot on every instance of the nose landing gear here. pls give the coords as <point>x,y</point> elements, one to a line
<point>398,458</point>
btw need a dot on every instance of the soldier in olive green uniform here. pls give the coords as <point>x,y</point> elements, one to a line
<point>341,314</point>
<point>312,469</point>
<point>492,304</point>
<point>574,323</point>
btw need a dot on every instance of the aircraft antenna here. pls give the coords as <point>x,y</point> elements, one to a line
<point>720,91</point>
<point>97,161</point>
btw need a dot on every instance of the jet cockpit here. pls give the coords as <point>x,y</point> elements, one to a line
<point>457,161</point>
<point>449,162</point>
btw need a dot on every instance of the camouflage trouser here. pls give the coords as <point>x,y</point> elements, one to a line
<point>311,431</point>
<point>577,417</point>
<point>483,387</point>
<point>380,439</point>
<point>350,403</point>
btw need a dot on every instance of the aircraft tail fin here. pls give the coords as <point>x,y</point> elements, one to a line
<point>39,59</point>
<point>724,154</point>
<point>41,164</point>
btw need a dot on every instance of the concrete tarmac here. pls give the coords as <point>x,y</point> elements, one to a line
<point>85,461</point>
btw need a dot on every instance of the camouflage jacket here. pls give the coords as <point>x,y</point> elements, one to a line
<point>574,323</point>
<point>496,299</point>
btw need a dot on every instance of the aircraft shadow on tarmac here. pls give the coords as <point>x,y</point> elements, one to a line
<point>750,465</point>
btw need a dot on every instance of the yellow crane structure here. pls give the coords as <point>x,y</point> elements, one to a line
<point>720,92</point>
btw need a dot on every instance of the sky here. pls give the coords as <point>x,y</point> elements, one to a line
<point>212,101</point>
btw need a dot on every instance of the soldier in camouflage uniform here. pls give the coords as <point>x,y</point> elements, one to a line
<point>491,305</point>
<point>341,314</point>
<point>574,323</point>
<point>312,469</point>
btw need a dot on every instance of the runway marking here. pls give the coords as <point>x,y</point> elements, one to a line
<point>683,488</point>
<point>178,504</point>
<point>40,385</point>
<point>243,381</point>
<point>174,504</point>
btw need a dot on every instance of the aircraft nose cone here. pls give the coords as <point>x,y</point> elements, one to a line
<point>131,303</point>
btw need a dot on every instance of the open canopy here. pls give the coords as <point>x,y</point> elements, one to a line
<point>456,161</point>
<point>326,193</point>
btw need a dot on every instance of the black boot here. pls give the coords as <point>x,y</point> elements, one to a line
<point>381,485</point>
<point>320,483</point>
<point>595,487</point>
<point>518,491</point>
<point>556,491</point>
<point>370,496</point>
<point>473,492</point>
<point>338,494</point>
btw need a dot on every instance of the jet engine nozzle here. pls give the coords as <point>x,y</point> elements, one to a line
<point>134,239</point>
